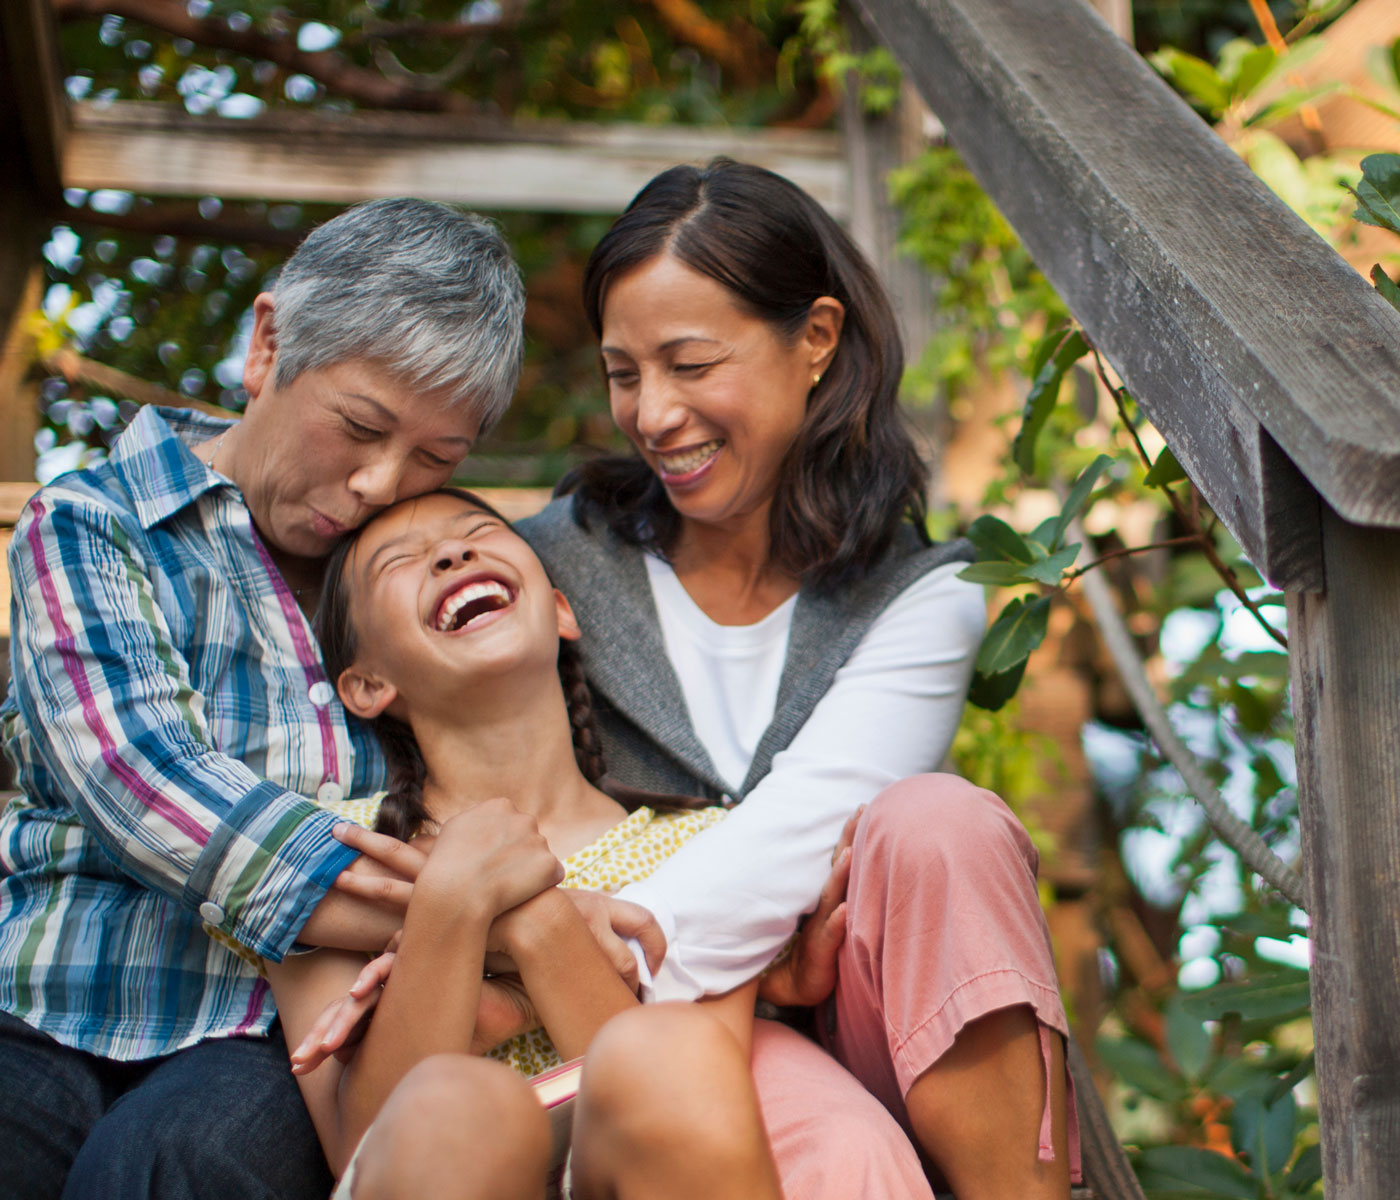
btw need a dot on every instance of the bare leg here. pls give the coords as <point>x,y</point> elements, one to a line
<point>977,1111</point>
<point>668,1109</point>
<point>456,1128</point>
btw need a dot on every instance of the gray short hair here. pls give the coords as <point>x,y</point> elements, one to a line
<point>428,292</point>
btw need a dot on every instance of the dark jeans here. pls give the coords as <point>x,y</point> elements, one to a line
<point>222,1120</point>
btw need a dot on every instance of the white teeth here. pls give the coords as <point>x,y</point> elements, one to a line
<point>681,464</point>
<point>473,591</point>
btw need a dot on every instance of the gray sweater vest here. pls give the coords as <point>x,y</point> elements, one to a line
<point>642,718</point>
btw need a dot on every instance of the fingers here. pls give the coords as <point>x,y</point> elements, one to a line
<point>630,920</point>
<point>381,888</point>
<point>336,1031</point>
<point>403,858</point>
<point>848,832</point>
<point>373,977</point>
<point>834,889</point>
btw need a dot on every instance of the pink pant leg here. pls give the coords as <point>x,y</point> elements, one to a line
<point>943,926</point>
<point>831,1139</point>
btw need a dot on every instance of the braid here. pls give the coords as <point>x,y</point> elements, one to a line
<point>588,750</point>
<point>402,814</point>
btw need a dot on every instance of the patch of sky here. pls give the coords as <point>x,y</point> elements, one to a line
<point>63,249</point>
<point>1152,855</point>
<point>314,36</point>
<point>240,106</point>
<point>110,200</point>
<point>203,89</point>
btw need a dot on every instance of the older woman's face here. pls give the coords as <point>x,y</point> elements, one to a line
<point>322,455</point>
<point>709,393</point>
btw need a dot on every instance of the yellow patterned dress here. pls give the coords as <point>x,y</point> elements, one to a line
<point>631,850</point>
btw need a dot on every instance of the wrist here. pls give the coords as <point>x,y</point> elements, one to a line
<point>531,928</point>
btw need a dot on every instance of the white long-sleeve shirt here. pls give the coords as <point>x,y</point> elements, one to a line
<point>730,899</point>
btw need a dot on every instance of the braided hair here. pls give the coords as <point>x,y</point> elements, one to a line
<point>403,812</point>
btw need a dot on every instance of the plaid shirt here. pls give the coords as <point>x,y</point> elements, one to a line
<point>168,716</point>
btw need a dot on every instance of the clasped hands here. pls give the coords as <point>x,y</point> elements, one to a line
<point>507,864</point>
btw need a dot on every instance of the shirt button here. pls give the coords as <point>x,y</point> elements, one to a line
<point>330,792</point>
<point>321,693</point>
<point>212,913</point>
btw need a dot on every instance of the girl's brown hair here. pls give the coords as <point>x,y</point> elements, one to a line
<point>853,474</point>
<point>402,813</point>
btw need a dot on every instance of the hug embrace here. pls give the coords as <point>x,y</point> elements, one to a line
<point>611,758</point>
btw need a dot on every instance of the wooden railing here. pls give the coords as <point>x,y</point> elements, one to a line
<point>1273,371</point>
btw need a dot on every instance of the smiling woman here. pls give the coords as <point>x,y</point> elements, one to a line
<point>171,721</point>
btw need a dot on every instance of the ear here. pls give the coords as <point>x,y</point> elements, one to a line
<point>364,694</point>
<point>262,347</point>
<point>568,623</point>
<point>823,333</point>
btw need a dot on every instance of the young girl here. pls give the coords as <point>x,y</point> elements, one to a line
<point>439,625</point>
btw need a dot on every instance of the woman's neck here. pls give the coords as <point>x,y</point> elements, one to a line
<point>517,749</point>
<point>729,573</point>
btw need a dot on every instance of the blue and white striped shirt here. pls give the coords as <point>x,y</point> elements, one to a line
<point>168,716</point>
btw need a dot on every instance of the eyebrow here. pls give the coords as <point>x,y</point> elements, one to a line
<point>395,542</point>
<point>392,418</point>
<point>668,345</point>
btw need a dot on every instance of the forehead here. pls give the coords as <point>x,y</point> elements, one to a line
<point>423,413</point>
<point>423,514</point>
<point>663,293</point>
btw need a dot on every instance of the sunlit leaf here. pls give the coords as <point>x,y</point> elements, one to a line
<point>1048,570</point>
<point>1378,193</point>
<point>996,574</point>
<point>1193,76</point>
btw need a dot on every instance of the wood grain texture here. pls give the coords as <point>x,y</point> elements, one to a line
<point>33,108</point>
<point>343,158</point>
<point>1225,315</point>
<point>1345,665</point>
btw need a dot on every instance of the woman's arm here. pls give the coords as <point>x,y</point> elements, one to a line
<point>113,726</point>
<point>890,712</point>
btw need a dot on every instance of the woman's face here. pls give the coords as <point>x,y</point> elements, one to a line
<point>319,457</point>
<point>711,395</point>
<point>442,592</point>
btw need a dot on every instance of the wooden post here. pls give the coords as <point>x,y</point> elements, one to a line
<point>1345,648</point>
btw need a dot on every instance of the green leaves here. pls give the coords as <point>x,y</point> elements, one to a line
<point>1010,559</point>
<point>1378,193</point>
<point>1056,353</point>
<point>1271,997</point>
<point>1385,285</point>
<point>1187,1170</point>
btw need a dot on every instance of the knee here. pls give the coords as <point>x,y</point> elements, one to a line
<point>942,818</point>
<point>454,1118</point>
<point>630,1073</point>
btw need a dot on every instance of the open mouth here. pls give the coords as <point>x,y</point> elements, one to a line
<point>460,607</point>
<point>689,460</point>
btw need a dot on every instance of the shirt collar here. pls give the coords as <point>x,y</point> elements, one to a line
<point>154,462</point>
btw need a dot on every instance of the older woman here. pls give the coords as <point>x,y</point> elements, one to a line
<point>764,620</point>
<point>170,718</point>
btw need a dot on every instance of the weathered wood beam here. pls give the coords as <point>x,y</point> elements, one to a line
<point>1346,700</point>
<point>343,158</point>
<point>1246,339</point>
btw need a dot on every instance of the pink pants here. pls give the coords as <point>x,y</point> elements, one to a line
<point>943,926</point>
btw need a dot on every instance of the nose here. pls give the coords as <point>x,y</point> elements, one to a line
<point>451,554</point>
<point>376,481</point>
<point>660,411</point>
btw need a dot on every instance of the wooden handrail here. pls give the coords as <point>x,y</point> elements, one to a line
<point>1247,340</point>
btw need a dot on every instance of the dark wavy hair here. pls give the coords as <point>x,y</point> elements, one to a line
<point>402,814</point>
<point>853,473</point>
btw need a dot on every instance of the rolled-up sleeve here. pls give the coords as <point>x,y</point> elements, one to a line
<point>121,734</point>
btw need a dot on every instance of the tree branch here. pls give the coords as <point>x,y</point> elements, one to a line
<point>328,67</point>
<point>77,369</point>
<point>1232,831</point>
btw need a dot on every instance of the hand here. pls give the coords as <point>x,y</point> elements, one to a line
<point>807,975</point>
<point>611,920</point>
<point>505,1012</point>
<point>386,868</point>
<point>488,859</point>
<point>341,1026</point>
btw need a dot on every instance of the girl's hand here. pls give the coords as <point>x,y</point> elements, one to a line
<point>341,1026</point>
<point>612,921</point>
<point>807,975</point>
<point>487,860</point>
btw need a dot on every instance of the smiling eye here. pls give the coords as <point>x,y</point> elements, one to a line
<point>360,432</point>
